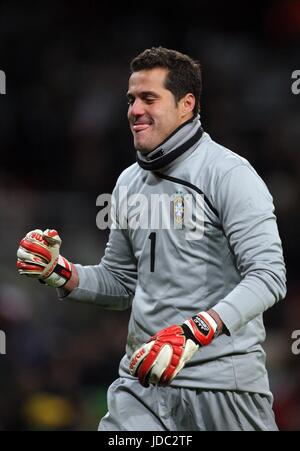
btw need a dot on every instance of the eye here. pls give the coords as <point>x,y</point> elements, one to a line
<point>130,100</point>
<point>149,100</point>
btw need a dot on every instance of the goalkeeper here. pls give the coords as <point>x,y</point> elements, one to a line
<point>194,358</point>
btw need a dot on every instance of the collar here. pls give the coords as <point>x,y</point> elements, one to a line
<point>182,139</point>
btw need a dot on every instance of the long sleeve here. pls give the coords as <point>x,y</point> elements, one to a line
<point>111,284</point>
<point>247,215</point>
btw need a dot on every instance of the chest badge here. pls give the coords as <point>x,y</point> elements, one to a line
<point>178,208</point>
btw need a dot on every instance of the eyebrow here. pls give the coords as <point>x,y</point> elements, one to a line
<point>142,94</point>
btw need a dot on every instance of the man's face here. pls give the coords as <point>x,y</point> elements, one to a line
<point>153,114</point>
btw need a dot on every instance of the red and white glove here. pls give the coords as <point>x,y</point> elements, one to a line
<point>160,359</point>
<point>38,257</point>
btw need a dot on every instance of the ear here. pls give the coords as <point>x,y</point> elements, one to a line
<point>187,104</point>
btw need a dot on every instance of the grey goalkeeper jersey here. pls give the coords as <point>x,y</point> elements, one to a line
<point>197,233</point>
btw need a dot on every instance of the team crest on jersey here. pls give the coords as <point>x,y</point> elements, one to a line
<point>178,206</point>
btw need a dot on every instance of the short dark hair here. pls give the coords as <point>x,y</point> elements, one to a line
<point>184,73</point>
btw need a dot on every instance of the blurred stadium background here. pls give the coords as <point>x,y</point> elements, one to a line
<point>64,140</point>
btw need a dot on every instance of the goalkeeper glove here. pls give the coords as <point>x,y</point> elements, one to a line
<point>38,257</point>
<point>160,359</point>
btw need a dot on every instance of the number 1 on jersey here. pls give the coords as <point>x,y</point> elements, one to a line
<point>152,238</point>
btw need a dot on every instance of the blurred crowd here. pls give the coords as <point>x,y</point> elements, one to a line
<point>64,140</point>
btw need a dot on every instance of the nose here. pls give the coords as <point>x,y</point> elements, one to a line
<point>136,108</point>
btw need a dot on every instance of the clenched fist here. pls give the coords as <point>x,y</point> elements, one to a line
<point>160,359</point>
<point>38,257</point>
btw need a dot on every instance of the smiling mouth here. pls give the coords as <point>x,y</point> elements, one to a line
<point>140,127</point>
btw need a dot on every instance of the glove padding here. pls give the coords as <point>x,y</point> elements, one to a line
<point>160,359</point>
<point>38,257</point>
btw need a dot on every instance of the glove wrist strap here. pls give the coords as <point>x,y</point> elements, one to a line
<point>203,327</point>
<point>63,268</point>
<point>60,275</point>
